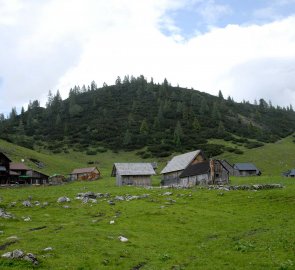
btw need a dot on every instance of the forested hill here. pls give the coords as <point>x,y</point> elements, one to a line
<point>136,114</point>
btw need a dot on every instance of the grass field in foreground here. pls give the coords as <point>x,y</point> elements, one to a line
<point>190,229</point>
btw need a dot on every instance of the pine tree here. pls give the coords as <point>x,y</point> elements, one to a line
<point>144,129</point>
<point>177,134</point>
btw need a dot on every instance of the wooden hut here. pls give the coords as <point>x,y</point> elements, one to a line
<point>4,169</point>
<point>91,173</point>
<point>136,174</point>
<point>20,169</point>
<point>229,167</point>
<point>204,173</point>
<point>37,178</point>
<point>246,169</point>
<point>177,164</point>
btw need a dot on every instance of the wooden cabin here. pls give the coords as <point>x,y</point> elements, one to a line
<point>4,169</point>
<point>56,179</point>
<point>91,173</point>
<point>37,178</point>
<point>246,169</point>
<point>177,164</point>
<point>211,172</point>
<point>18,173</point>
<point>135,174</point>
<point>229,167</point>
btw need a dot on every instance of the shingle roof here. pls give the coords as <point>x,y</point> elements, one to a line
<point>245,167</point>
<point>180,162</point>
<point>18,166</point>
<point>83,170</point>
<point>133,169</point>
<point>196,169</point>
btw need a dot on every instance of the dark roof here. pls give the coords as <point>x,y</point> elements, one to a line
<point>245,167</point>
<point>196,169</point>
<point>6,157</point>
<point>290,173</point>
<point>18,166</point>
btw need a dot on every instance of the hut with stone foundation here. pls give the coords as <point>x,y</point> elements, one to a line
<point>211,172</point>
<point>91,173</point>
<point>174,168</point>
<point>133,174</point>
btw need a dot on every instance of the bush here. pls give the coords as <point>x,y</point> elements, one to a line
<point>91,152</point>
<point>251,145</point>
<point>238,151</point>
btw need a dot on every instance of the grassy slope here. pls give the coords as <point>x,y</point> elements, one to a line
<point>201,230</point>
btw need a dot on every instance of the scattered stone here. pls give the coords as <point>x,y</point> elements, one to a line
<point>167,193</point>
<point>63,199</point>
<point>4,214</point>
<point>119,198</point>
<point>27,219</point>
<point>123,239</point>
<point>1,232</point>
<point>111,203</point>
<point>13,237</point>
<point>27,204</point>
<point>31,258</point>
<point>162,206</point>
<point>45,204</point>
<point>17,254</point>
<point>37,203</point>
<point>48,249</point>
<point>246,187</point>
<point>112,222</point>
<point>7,255</point>
<point>66,206</point>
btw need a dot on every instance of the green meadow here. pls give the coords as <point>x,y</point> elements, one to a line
<point>189,229</point>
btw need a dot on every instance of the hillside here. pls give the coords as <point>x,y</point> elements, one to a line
<point>271,158</point>
<point>156,119</point>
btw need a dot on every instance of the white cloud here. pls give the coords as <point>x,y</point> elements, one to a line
<point>63,43</point>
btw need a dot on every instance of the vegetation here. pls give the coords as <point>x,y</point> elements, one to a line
<point>135,114</point>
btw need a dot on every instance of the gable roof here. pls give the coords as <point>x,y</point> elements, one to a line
<point>18,166</point>
<point>5,157</point>
<point>84,170</point>
<point>245,167</point>
<point>180,162</point>
<point>196,169</point>
<point>133,169</point>
<point>289,173</point>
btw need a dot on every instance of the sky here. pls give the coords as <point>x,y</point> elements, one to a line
<point>246,49</point>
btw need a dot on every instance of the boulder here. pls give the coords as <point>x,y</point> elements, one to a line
<point>7,255</point>
<point>63,199</point>
<point>31,258</point>
<point>17,254</point>
<point>27,204</point>
<point>123,239</point>
<point>4,214</point>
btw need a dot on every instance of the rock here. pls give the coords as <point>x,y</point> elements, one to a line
<point>90,194</point>
<point>30,198</point>
<point>48,249</point>
<point>13,237</point>
<point>112,222</point>
<point>111,203</point>
<point>27,219</point>
<point>66,206</point>
<point>144,196</point>
<point>85,200</point>
<point>92,200</point>
<point>167,193</point>
<point>63,199</point>
<point>12,204</point>
<point>4,214</point>
<point>17,254</point>
<point>123,239</point>
<point>1,232</point>
<point>31,258</point>
<point>130,198</point>
<point>45,203</point>
<point>7,255</point>
<point>37,203</point>
<point>119,198</point>
<point>27,204</point>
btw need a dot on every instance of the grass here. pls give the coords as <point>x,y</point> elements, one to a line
<point>191,229</point>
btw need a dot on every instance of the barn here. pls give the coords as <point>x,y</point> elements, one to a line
<point>4,168</point>
<point>246,169</point>
<point>135,174</point>
<point>173,169</point>
<point>204,173</point>
<point>91,173</point>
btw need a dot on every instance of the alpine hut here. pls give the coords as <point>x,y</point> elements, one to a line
<point>91,173</point>
<point>177,164</point>
<point>4,168</point>
<point>211,172</point>
<point>135,174</point>
<point>246,169</point>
